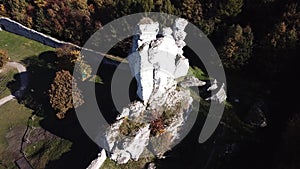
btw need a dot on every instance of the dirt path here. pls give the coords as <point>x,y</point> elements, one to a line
<point>24,82</point>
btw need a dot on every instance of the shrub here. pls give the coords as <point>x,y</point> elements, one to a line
<point>3,58</point>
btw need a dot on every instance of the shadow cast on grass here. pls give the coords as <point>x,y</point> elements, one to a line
<point>41,72</point>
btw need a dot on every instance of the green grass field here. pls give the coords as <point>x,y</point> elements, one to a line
<point>6,77</point>
<point>141,163</point>
<point>19,48</point>
<point>13,116</point>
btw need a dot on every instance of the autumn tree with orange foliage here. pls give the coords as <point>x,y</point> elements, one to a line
<point>3,58</point>
<point>64,93</point>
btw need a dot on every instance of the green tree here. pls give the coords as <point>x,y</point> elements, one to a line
<point>215,13</point>
<point>126,7</point>
<point>230,8</point>
<point>192,11</point>
<point>286,32</point>
<point>17,9</point>
<point>237,48</point>
<point>164,6</point>
<point>279,49</point>
<point>64,93</point>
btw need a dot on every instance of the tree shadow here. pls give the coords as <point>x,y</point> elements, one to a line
<point>41,72</point>
<point>83,149</point>
<point>104,95</point>
<point>14,85</point>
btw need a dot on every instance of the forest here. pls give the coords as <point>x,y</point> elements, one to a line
<point>258,42</point>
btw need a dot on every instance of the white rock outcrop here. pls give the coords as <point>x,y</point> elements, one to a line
<point>191,81</point>
<point>129,148</point>
<point>153,124</point>
<point>157,62</point>
<point>220,96</point>
<point>98,162</point>
<point>214,86</point>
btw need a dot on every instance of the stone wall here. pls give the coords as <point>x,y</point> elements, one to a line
<point>12,26</point>
<point>19,29</point>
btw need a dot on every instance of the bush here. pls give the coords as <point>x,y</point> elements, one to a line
<point>3,58</point>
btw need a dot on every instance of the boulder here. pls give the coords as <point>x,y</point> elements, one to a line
<point>256,115</point>
<point>214,86</point>
<point>191,81</point>
<point>220,96</point>
<point>136,110</point>
<point>151,166</point>
<point>98,162</point>
<point>131,148</point>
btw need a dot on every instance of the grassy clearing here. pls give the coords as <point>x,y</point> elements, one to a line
<point>6,77</point>
<point>12,127</point>
<point>140,164</point>
<point>51,149</point>
<point>47,150</point>
<point>12,115</point>
<point>19,48</point>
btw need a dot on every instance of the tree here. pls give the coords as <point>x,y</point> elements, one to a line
<point>126,7</point>
<point>64,93</point>
<point>279,49</point>
<point>230,8</point>
<point>237,48</point>
<point>102,10</point>
<point>286,32</point>
<point>192,11</point>
<point>3,11</point>
<point>3,58</point>
<point>213,13</point>
<point>69,19</point>
<point>165,6</point>
<point>67,57</point>
<point>17,10</point>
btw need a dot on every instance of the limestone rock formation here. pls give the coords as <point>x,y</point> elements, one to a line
<point>151,166</point>
<point>220,96</point>
<point>214,86</point>
<point>97,163</point>
<point>191,81</point>
<point>153,124</point>
<point>156,62</point>
<point>131,148</point>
